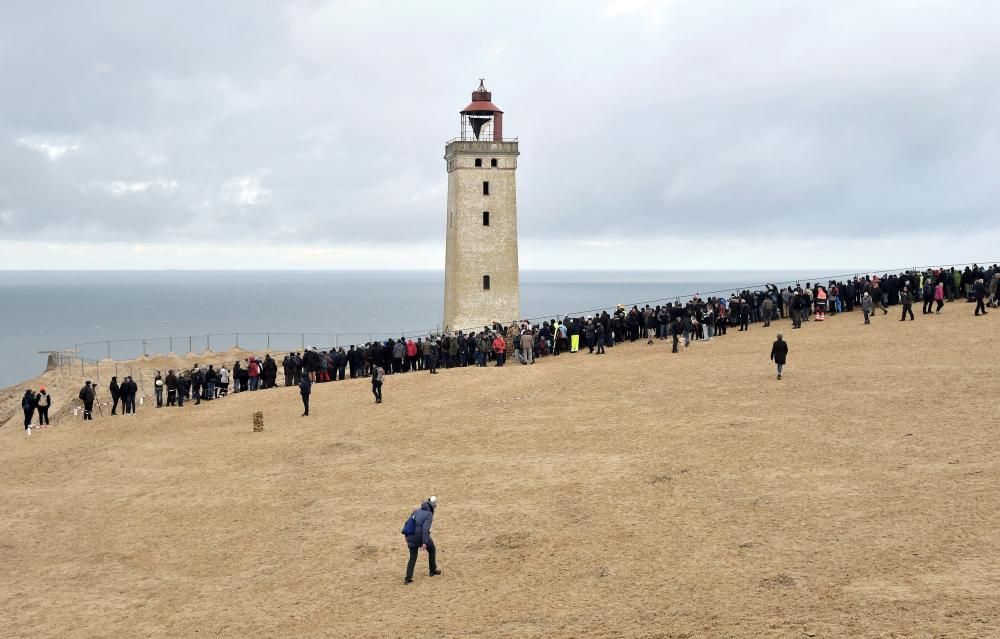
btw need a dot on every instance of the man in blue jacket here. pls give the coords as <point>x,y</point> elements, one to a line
<point>421,538</point>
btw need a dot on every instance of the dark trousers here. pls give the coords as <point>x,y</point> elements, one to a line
<point>927,306</point>
<point>377,391</point>
<point>675,336</point>
<point>867,321</point>
<point>431,560</point>
<point>88,410</point>
<point>28,414</point>
<point>43,415</point>
<point>907,308</point>
<point>305,404</point>
<point>114,405</point>
<point>980,307</point>
<point>940,304</point>
<point>600,345</point>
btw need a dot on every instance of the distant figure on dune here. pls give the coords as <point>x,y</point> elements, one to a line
<point>867,306</point>
<point>305,388</point>
<point>378,375</point>
<point>979,293</point>
<point>116,394</point>
<point>779,353</point>
<point>418,535</point>
<point>158,388</point>
<point>43,401</point>
<point>28,406</point>
<point>87,396</point>
<point>906,299</point>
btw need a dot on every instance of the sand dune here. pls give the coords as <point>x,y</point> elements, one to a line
<point>637,494</point>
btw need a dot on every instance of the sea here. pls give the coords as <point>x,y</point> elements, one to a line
<point>123,314</point>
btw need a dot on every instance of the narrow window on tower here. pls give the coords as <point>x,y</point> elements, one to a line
<point>493,163</point>
<point>486,282</point>
<point>486,218</point>
<point>486,188</point>
<point>479,161</point>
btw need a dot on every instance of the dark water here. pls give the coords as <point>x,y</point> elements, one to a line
<point>56,310</point>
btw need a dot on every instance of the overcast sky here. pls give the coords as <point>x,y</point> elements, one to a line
<point>654,133</point>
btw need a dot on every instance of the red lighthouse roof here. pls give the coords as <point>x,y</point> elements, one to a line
<point>481,102</point>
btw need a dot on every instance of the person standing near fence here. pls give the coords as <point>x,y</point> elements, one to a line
<point>42,402</point>
<point>129,389</point>
<point>158,388</point>
<point>171,383</point>
<point>87,396</point>
<point>116,394</point>
<point>223,380</point>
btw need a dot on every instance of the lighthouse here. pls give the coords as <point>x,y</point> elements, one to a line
<point>481,282</point>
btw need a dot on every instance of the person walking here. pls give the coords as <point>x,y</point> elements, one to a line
<point>867,306</point>
<point>42,402</point>
<point>378,376</point>
<point>906,299</point>
<point>28,406</point>
<point>87,396</point>
<point>305,389</point>
<point>420,537</point>
<point>939,297</point>
<point>779,353</point>
<point>979,293</point>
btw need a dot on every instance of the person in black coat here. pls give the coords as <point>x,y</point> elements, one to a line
<point>116,395</point>
<point>779,353</point>
<point>28,406</point>
<point>305,389</point>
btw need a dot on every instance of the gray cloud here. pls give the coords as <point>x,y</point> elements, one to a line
<point>306,122</point>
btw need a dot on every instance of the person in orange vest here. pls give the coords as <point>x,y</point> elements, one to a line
<point>499,348</point>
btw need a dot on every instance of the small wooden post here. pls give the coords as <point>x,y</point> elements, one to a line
<point>258,421</point>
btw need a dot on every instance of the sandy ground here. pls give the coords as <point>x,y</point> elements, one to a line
<point>637,494</point>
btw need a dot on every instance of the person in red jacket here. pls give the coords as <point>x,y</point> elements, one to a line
<point>499,348</point>
<point>254,373</point>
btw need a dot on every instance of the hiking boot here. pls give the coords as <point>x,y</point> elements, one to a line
<point>407,580</point>
<point>435,572</point>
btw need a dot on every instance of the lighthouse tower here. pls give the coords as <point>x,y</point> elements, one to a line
<point>481,283</point>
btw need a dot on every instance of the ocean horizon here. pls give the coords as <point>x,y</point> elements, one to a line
<point>47,310</point>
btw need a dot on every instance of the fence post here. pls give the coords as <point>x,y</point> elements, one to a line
<point>268,341</point>
<point>171,344</point>
<point>109,349</point>
<point>190,350</point>
<point>303,341</point>
<point>144,349</point>
<point>237,340</point>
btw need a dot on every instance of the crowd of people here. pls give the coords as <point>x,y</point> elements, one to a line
<point>523,342</point>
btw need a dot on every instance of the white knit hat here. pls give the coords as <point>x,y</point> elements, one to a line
<point>434,501</point>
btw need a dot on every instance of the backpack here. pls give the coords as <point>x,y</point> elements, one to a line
<point>410,527</point>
